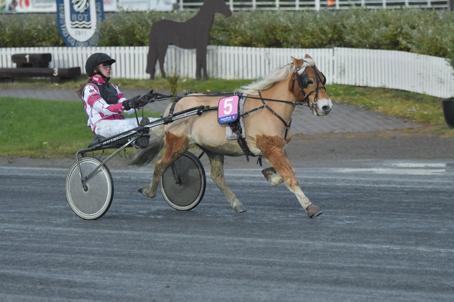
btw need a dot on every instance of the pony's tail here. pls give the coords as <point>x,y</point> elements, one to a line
<point>147,154</point>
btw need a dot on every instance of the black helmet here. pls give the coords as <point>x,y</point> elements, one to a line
<point>96,59</point>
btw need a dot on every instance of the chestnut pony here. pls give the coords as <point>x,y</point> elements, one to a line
<point>267,114</point>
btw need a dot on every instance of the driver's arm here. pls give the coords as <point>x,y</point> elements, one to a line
<point>93,98</point>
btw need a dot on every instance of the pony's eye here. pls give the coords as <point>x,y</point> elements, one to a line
<point>310,82</point>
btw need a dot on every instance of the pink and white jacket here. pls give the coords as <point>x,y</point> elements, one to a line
<point>97,107</point>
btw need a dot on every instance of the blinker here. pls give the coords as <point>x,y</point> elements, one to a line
<point>303,81</point>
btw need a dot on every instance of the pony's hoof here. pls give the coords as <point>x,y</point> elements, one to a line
<point>313,211</point>
<point>145,192</point>
<point>239,208</point>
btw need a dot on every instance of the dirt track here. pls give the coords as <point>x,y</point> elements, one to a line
<point>373,145</point>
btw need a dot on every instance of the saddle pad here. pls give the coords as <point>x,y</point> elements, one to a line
<point>228,109</point>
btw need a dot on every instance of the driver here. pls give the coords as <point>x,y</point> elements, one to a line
<point>104,103</point>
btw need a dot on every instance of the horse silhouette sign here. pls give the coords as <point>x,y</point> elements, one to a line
<point>194,33</point>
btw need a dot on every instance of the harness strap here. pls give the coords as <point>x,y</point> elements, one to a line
<point>274,100</point>
<point>236,128</point>
<point>172,107</point>
<point>287,125</point>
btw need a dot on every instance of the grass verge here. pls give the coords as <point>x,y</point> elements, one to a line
<point>38,128</point>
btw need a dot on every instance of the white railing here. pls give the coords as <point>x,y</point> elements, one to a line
<point>42,6</point>
<point>237,5</point>
<point>362,67</point>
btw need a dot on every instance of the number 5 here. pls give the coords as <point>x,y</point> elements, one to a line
<point>228,106</point>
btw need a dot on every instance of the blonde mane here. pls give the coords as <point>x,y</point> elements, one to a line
<point>276,76</point>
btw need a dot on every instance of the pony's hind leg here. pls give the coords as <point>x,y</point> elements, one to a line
<point>272,148</point>
<point>217,174</point>
<point>174,146</point>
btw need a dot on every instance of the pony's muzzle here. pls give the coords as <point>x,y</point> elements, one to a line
<point>324,106</point>
<point>326,109</point>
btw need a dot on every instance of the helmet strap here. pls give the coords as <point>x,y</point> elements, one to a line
<point>97,71</point>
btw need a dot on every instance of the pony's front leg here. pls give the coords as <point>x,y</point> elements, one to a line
<point>217,174</point>
<point>272,177</point>
<point>272,148</point>
<point>173,148</point>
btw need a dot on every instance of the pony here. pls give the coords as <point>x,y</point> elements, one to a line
<point>267,114</point>
<point>193,33</point>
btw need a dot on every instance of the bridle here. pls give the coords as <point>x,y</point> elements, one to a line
<point>299,76</point>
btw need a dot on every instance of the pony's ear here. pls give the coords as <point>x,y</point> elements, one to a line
<point>297,62</point>
<point>308,59</point>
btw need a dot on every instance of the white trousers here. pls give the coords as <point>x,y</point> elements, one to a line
<point>108,128</point>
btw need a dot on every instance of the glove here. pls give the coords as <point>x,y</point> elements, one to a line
<point>149,96</point>
<point>135,102</point>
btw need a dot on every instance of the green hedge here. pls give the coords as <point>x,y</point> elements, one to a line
<point>418,31</point>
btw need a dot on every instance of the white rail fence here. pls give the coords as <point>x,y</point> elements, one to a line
<point>236,5</point>
<point>49,6</point>
<point>362,67</point>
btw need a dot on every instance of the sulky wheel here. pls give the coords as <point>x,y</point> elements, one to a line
<point>93,200</point>
<point>183,183</point>
<point>448,111</point>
